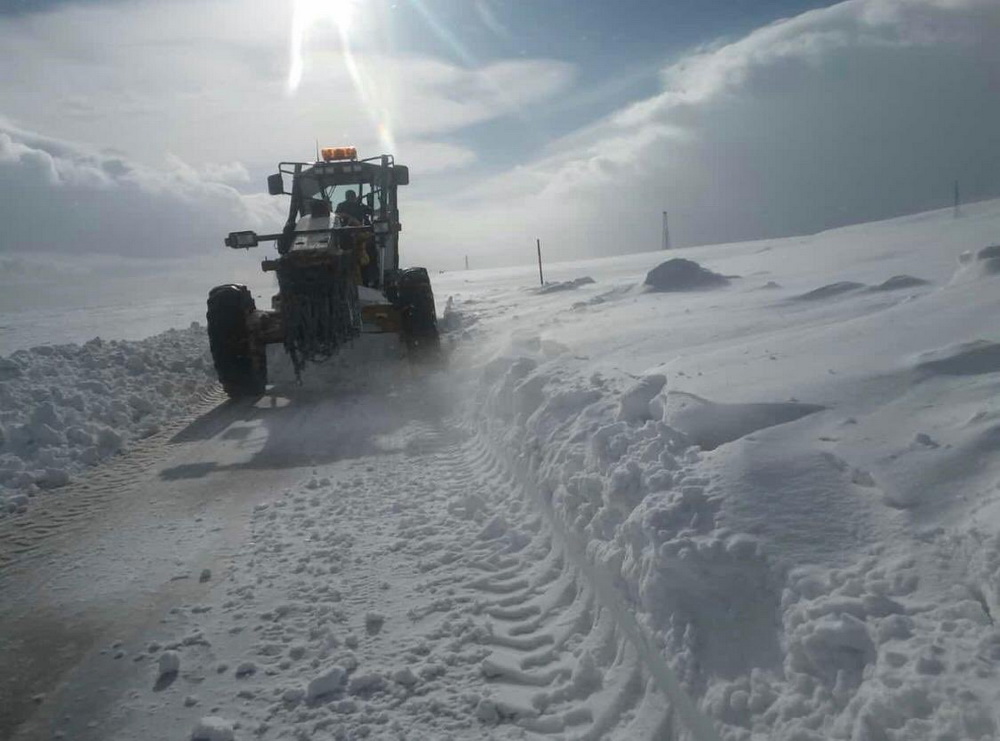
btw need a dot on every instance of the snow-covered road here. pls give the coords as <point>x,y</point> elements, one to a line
<point>781,493</point>
<point>402,558</point>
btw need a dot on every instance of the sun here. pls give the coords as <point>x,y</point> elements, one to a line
<point>307,14</point>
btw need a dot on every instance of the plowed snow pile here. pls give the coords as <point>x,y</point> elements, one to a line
<point>798,498</point>
<point>64,408</point>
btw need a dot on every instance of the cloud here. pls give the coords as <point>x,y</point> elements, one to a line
<point>208,81</point>
<point>158,118</point>
<point>60,197</point>
<point>864,110</point>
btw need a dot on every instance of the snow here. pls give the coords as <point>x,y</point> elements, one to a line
<point>326,683</point>
<point>619,513</point>
<point>67,408</point>
<point>169,663</point>
<point>680,274</point>
<point>213,728</point>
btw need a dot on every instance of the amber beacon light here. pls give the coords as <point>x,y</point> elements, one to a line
<point>330,154</point>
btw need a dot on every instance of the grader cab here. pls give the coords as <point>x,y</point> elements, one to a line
<point>338,273</point>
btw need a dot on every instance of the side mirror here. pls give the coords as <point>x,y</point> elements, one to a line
<point>241,240</point>
<point>402,174</point>
<point>275,185</point>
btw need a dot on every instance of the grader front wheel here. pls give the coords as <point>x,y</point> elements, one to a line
<point>239,363</point>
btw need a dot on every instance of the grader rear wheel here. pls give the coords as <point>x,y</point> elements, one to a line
<point>419,318</point>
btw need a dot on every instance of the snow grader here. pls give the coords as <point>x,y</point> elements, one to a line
<point>337,269</point>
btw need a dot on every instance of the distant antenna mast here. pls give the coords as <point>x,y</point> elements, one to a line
<point>957,211</point>
<point>666,232</point>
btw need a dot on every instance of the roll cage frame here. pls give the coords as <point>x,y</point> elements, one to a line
<point>311,179</point>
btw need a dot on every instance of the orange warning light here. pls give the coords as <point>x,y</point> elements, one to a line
<point>330,154</point>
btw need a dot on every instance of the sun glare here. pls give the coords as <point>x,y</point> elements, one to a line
<point>342,15</point>
<point>308,14</point>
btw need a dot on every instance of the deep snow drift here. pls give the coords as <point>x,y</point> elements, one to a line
<point>789,486</point>
<point>799,494</point>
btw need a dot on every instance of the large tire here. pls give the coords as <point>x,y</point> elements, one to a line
<point>415,299</point>
<point>240,363</point>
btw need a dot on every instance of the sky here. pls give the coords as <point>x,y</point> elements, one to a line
<point>145,128</point>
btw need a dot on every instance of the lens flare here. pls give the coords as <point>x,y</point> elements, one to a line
<point>306,14</point>
<point>342,15</point>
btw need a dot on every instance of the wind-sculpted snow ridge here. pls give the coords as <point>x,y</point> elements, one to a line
<point>724,557</point>
<point>567,285</point>
<point>65,408</point>
<point>829,291</point>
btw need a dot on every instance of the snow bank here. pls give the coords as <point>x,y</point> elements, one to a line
<point>726,555</point>
<point>64,408</point>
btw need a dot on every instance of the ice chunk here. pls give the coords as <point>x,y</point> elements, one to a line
<point>326,683</point>
<point>213,728</point>
<point>405,677</point>
<point>634,406</point>
<point>53,478</point>
<point>169,663</point>
<point>367,684</point>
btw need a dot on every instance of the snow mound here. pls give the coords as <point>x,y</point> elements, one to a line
<point>635,403</point>
<point>964,359</point>
<point>709,424</point>
<point>568,285</point>
<point>989,259</point>
<point>984,263</point>
<point>64,408</point>
<point>454,319</point>
<point>898,282</point>
<point>679,274</point>
<point>830,290</point>
<point>615,294</point>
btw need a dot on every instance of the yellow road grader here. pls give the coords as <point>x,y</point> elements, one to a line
<point>337,269</point>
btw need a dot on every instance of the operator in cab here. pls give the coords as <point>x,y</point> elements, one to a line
<point>355,211</point>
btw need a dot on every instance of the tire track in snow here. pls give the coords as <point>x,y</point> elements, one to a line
<point>63,511</point>
<point>426,578</point>
<point>558,663</point>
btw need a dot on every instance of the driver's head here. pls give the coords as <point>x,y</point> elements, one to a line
<point>351,196</point>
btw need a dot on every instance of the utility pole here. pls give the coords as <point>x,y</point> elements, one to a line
<point>666,232</point>
<point>956,212</point>
<point>541,280</point>
<point>466,262</point>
